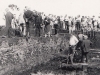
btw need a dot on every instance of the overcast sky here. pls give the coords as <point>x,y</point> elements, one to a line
<point>57,7</point>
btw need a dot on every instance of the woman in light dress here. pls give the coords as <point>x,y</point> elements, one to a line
<point>21,23</point>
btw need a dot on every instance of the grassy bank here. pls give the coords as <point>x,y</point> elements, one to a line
<point>25,54</point>
<point>22,55</point>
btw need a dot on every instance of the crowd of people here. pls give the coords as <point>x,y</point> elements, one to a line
<point>31,22</point>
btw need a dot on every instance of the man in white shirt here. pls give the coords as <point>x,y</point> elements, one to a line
<point>72,45</point>
<point>73,40</point>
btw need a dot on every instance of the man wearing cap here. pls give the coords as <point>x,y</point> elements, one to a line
<point>85,48</point>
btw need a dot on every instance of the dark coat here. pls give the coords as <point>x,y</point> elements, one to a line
<point>38,21</point>
<point>79,44</point>
<point>47,25</point>
<point>8,17</point>
<point>46,21</point>
<point>86,45</point>
<point>28,14</point>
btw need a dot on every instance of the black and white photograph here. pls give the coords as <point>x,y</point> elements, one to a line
<point>49,37</point>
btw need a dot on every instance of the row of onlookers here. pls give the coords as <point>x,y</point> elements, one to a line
<point>30,22</point>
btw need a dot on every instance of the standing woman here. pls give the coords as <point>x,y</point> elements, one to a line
<point>62,21</point>
<point>73,25</point>
<point>94,29</point>
<point>43,17</point>
<point>52,27</point>
<point>70,25</point>
<point>89,29</point>
<point>56,25</point>
<point>95,24</point>
<point>21,23</point>
<point>14,24</point>
<point>47,26</point>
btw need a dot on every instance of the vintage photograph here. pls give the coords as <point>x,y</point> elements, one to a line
<point>49,37</point>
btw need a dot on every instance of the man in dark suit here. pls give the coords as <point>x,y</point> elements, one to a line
<point>38,23</point>
<point>29,19</point>
<point>85,48</point>
<point>8,16</point>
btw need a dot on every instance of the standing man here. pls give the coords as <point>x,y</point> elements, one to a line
<point>62,22</point>
<point>98,23</point>
<point>28,16</point>
<point>8,18</point>
<point>66,20</point>
<point>70,25</point>
<point>85,48</point>
<point>72,46</point>
<point>38,22</point>
<point>78,23</point>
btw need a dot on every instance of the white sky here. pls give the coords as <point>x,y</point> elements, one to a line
<point>57,7</point>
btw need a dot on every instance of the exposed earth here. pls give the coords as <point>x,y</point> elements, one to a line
<point>38,56</point>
